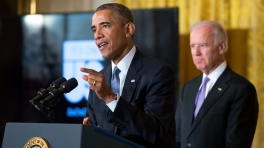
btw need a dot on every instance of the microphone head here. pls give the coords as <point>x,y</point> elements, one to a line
<point>69,85</point>
<point>58,82</point>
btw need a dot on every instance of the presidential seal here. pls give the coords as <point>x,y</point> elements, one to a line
<point>37,142</point>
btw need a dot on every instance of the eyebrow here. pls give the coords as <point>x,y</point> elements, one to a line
<point>102,23</point>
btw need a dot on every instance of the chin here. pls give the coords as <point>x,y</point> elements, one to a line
<point>105,55</point>
<point>199,67</point>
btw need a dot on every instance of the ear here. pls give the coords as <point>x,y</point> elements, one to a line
<point>222,47</point>
<point>130,29</point>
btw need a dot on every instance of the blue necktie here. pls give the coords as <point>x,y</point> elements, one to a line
<point>115,82</point>
<point>200,97</point>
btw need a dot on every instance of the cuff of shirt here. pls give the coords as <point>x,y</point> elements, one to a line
<point>112,105</point>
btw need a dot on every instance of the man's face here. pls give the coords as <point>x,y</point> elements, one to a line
<point>207,52</point>
<point>109,34</point>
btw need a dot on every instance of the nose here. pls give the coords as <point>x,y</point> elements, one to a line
<point>196,50</point>
<point>97,34</point>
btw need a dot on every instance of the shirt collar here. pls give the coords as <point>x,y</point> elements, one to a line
<point>124,64</point>
<point>214,75</point>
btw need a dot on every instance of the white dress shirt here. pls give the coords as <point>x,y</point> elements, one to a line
<point>123,65</point>
<point>213,76</point>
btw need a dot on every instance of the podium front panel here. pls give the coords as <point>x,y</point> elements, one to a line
<point>62,136</point>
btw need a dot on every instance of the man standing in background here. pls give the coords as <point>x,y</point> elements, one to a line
<point>219,108</point>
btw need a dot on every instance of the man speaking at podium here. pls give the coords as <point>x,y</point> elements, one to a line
<point>134,97</point>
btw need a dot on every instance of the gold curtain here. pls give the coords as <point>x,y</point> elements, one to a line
<point>244,21</point>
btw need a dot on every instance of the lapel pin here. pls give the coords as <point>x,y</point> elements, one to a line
<point>220,89</point>
<point>133,80</point>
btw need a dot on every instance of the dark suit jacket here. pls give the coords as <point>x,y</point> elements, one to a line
<point>146,110</point>
<point>227,117</point>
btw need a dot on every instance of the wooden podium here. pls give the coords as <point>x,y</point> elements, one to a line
<point>18,135</point>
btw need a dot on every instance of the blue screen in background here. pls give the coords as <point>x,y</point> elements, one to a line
<point>77,54</point>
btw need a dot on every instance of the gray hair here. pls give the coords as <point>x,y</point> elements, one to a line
<point>218,29</point>
<point>121,12</point>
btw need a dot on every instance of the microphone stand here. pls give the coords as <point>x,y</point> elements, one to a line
<point>46,103</point>
<point>47,109</point>
<point>50,113</point>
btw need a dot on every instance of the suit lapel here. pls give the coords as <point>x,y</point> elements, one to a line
<point>132,77</point>
<point>192,95</point>
<point>215,93</point>
<point>108,74</point>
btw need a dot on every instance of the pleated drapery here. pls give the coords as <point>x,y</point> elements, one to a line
<point>244,22</point>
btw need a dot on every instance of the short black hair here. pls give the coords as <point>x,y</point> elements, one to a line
<point>121,12</point>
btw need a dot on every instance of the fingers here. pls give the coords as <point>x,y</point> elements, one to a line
<point>97,83</point>
<point>87,70</point>
<point>85,77</point>
<point>86,121</point>
<point>93,76</point>
<point>91,81</point>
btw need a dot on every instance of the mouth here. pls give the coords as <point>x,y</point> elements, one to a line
<point>198,60</point>
<point>102,45</point>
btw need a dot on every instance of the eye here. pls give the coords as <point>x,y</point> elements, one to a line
<point>192,46</point>
<point>105,26</point>
<point>93,30</point>
<point>203,45</point>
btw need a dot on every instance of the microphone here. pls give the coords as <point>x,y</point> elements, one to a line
<point>42,93</point>
<point>65,87</point>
